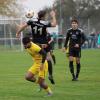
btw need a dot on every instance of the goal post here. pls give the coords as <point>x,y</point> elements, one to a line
<point>8,40</point>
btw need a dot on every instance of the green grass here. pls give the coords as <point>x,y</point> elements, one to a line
<point>13,86</point>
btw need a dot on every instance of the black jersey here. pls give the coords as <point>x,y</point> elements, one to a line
<point>74,37</point>
<point>39,32</point>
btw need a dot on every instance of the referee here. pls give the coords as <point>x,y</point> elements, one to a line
<point>76,38</point>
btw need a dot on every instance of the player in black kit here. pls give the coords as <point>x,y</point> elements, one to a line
<point>39,34</point>
<point>76,38</point>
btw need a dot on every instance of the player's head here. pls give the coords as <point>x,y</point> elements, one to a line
<point>42,14</point>
<point>74,24</point>
<point>26,42</point>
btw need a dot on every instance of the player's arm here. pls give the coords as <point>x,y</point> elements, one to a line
<point>22,27</point>
<point>83,38</point>
<point>53,16</point>
<point>43,53</point>
<point>66,41</point>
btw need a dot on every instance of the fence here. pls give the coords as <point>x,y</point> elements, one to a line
<point>8,40</point>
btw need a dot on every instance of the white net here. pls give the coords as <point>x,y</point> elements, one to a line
<point>8,40</point>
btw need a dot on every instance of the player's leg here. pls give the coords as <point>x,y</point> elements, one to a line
<point>78,67</point>
<point>41,79</point>
<point>71,67</point>
<point>30,75</point>
<point>51,46</point>
<point>50,68</point>
<point>42,83</point>
<point>53,57</point>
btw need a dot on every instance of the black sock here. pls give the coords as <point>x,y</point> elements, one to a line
<point>54,59</point>
<point>78,70</point>
<point>71,69</point>
<point>50,70</point>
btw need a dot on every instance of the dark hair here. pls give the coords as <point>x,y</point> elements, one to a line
<point>74,20</point>
<point>41,13</point>
<point>26,40</point>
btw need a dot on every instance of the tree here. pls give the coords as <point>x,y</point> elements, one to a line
<point>10,8</point>
<point>86,11</point>
<point>65,11</point>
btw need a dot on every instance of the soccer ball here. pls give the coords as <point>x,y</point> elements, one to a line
<point>29,14</point>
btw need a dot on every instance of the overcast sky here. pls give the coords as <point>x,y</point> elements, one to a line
<point>37,5</point>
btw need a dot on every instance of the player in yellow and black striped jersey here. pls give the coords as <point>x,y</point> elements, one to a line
<point>40,66</point>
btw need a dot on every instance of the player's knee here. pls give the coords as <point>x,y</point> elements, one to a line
<point>48,58</point>
<point>77,61</point>
<point>28,77</point>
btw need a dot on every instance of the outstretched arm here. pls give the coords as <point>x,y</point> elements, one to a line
<point>53,16</point>
<point>22,27</point>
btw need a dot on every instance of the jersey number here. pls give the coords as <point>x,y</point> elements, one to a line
<point>36,30</point>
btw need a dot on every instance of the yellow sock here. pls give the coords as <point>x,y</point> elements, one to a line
<point>48,90</point>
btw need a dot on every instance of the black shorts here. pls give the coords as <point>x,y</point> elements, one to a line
<point>75,52</point>
<point>47,49</point>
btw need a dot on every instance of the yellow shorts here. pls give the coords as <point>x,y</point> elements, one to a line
<point>35,69</point>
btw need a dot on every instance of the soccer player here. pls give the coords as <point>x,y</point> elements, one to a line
<point>76,38</point>
<point>39,32</point>
<point>40,66</point>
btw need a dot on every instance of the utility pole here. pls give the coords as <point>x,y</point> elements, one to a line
<point>61,20</point>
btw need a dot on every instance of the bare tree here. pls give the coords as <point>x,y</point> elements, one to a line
<point>86,11</point>
<point>10,8</point>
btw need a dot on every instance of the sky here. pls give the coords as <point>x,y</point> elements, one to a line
<point>36,5</point>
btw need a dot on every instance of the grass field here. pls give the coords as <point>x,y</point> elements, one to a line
<point>13,86</point>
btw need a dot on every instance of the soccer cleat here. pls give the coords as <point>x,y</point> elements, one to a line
<point>51,79</point>
<point>74,79</point>
<point>49,94</point>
